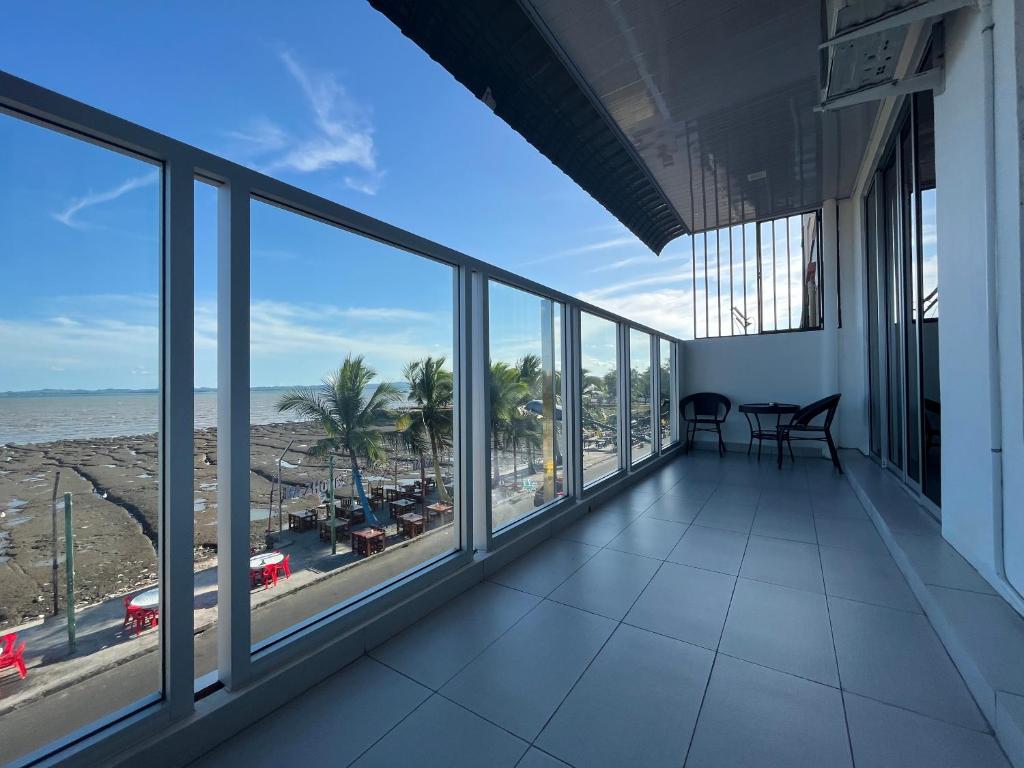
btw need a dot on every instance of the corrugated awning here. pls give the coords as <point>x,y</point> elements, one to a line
<point>495,50</point>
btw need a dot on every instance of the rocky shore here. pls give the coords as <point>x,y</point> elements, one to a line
<point>113,482</point>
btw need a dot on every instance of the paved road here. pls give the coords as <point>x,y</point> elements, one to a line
<point>28,728</point>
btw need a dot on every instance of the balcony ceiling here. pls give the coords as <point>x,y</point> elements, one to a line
<point>677,115</point>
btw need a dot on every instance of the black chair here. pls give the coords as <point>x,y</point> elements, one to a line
<point>707,412</point>
<point>801,423</point>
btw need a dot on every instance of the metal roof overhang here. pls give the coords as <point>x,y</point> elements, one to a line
<point>494,49</point>
<point>677,115</point>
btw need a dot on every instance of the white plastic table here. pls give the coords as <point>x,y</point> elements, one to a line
<point>148,599</point>
<point>256,562</point>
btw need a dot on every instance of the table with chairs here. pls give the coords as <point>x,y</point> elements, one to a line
<point>142,611</point>
<point>265,568</point>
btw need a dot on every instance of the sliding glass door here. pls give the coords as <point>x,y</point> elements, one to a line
<point>902,305</point>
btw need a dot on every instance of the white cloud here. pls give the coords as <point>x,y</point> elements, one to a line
<point>342,134</point>
<point>79,204</point>
<point>602,245</point>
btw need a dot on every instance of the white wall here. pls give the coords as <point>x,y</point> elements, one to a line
<point>781,367</point>
<point>852,360</point>
<point>970,520</point>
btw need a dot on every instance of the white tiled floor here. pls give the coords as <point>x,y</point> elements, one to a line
<point>631,640</point>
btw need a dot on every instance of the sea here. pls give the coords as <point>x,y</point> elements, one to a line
<point>41,417</point>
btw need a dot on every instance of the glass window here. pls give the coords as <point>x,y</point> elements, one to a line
<point>665,391</point>
<point>640,412</point>
<point>527,434</point>
<point>757,278</point>
<point>351,415</point>
<point>79,421</point>
<point>599,352</point>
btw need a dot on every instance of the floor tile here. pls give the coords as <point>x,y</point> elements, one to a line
<point>895,657</point>
<point>537,759</point>
<point>712,548</point>
<point>520,680</point>
<point>838,503</point>
<point>991,631</point>
<point>597,528</point>
<point>770,522</point>
<point>636,705</point>
<point>686,603</point>
<point>884,736</point>
<point>757,717</point>
<point>691,490</point>
<point>786,502</point>
<point>782,628</point>
<point>444,735</point>
<point>648,536</point>
<point>741,494</point>
<point>867,577</point>
<point>542,569</point>
<point>850,533</point>
<point>938,563</point>
<point>674,508</point>
<point>438,646</point>
<point>728,514</point>
<point>787,563</point>
<point>608,583</point>
<point>365,700</point>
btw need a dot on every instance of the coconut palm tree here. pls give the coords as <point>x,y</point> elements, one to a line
<point>508,391</point>
<point>429,424</point>
<point>351,422</point>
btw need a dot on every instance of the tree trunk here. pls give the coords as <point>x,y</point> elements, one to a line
<point>357,480</point>
<point>442,491</point>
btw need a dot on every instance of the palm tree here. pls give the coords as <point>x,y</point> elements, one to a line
<point>350,421</point>
<point>429,424</point>
<point>531,373</point>
<point>507,391</point>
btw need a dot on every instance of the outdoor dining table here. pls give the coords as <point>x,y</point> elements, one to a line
<point>399,506</point>
<point>411,524</point>
<point>147,600</point>
<point>302,520</point>
<point>760,432</point>
<point>439,508</point>
<point>339,524</point>
<point>368,541</point>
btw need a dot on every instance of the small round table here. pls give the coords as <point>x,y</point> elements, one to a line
<point>256,562</point>
<point>759,432</point>
<point>148,599</point>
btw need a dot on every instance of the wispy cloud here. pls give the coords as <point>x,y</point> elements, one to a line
<point>342,134</point>
<point>602,245</point>
<point>68,216</point>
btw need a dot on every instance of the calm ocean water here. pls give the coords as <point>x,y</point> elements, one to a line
<point>42,418</point>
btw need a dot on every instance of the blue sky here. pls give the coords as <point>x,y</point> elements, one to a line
<point>333,99</point>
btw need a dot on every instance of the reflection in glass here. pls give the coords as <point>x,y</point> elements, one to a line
<point>527,434</point>
<point>599,352</point>
<point>351,416</point>
<point>640,412</point>
<point>79,363</point>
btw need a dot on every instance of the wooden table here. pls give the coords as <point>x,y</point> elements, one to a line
<point>439,508</point>
<point>339,524</point>
<point>410,524</point>
<point>368,541</point>
<point>304,519</point>
<point>400,506</point>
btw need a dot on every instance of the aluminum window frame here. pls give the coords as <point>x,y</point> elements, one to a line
<point>239,665</point>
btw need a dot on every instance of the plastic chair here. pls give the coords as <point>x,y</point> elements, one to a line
<point>131,614</point>
<point>13,656</point>
<point>801,423</point>
<point>708,410</point>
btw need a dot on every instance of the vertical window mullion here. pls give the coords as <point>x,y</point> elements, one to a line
<point>233,628</point>
<point>176,437</point>
<point>789,278</point>
<point>480,405</point>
